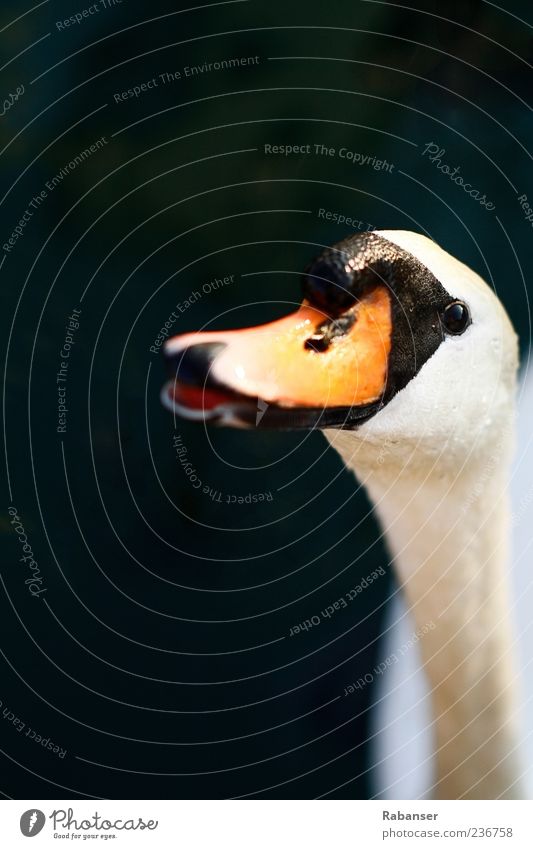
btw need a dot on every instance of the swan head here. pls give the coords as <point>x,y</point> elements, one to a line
<point>396,343</point>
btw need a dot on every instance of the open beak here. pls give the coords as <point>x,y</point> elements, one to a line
<point>305,370</point>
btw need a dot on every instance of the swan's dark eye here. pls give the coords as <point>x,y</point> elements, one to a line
<point>326,286</point>
<point>456,318</point>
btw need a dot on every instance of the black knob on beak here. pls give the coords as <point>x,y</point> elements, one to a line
<point>327,285</point>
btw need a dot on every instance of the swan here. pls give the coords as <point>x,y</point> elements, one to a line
<point>407,361</point>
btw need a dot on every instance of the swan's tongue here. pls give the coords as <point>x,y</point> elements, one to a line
<point>305,369</point>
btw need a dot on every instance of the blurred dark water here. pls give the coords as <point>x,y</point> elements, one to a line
<point>159,658</point>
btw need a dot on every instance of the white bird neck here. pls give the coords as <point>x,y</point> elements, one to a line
<point>448,535</point>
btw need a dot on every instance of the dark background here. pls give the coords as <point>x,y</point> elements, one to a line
<point>159,656</point>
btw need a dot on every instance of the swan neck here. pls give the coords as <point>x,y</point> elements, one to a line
<point>448,537</point>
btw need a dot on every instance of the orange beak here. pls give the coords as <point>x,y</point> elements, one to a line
<point>306,369</point>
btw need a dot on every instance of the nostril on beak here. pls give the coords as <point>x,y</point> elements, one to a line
<point>192,365</point>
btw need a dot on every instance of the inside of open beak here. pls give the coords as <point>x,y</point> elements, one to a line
<point>289,372</point>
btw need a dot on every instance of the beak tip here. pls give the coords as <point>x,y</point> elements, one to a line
<point>191,363</point>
